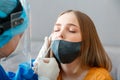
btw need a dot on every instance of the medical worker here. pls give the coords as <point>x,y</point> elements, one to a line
<point>15,50</point>
<point>15,41</point>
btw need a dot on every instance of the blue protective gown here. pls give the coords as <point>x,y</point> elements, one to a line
<point>24,72</point>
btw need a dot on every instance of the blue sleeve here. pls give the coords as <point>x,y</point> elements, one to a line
<point>3,75</point>
<point>24,72</point>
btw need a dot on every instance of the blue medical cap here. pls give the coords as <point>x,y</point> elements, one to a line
<point>6,6</point>
<point>13,24</point>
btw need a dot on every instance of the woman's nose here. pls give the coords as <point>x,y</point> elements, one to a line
<point>60,35</point>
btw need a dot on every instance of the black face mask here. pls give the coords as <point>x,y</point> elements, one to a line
<point>65,51</point>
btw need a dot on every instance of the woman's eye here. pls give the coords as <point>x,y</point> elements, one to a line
<point>56,30</point>
<point>72,31</point>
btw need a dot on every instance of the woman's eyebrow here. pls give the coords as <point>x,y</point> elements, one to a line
<point>57,24</point>
<point>70,24</point>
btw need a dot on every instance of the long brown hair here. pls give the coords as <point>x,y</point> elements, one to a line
<point>92,51</point>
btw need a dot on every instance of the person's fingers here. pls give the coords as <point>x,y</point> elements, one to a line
<point>53,61</point>
<point>35,65</point>
<point>46,60</point>
<point>46,39</point>
<point>49,60</point>
<point>46,43</point>
<point>52,37</point>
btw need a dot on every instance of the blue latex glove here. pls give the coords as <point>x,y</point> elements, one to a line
<point>24,72</point>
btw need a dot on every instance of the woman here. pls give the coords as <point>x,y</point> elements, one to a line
<point>77,48</point>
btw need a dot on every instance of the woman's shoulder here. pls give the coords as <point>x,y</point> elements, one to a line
<point>98,74</point>
<point>102,71</point>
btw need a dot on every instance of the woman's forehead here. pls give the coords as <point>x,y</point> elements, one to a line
<point>67,18</point>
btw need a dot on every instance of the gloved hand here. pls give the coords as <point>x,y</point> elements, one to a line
<point>24,72</point>
<point>47,69</point>
<point>42,53</point>
<point>44,50</point>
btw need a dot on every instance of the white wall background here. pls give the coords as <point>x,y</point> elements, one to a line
<point>104,13</point>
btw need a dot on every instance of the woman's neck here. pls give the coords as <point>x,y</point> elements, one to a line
<point>71,70</point>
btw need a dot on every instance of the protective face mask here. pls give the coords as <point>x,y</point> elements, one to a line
<point>65,52</point>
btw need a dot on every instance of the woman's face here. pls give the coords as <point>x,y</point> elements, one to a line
<point>67,28</point>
